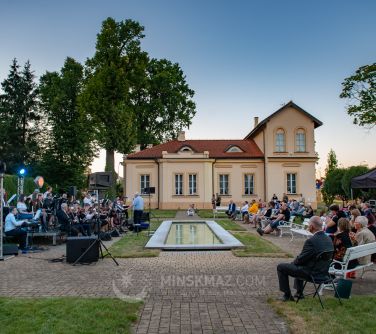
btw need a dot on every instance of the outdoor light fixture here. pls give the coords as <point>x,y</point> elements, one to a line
<point>22,172</point>
<point>39,181</point>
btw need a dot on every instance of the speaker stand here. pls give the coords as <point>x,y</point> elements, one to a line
<point>101,244</point>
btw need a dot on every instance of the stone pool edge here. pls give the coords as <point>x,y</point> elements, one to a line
<point>158,239</point>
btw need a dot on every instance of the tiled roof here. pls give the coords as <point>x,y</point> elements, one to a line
<point>216,149</point>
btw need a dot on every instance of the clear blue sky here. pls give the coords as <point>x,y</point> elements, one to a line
<point>243,58</point>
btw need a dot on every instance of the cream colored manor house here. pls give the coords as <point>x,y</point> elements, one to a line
<point>276,157</point>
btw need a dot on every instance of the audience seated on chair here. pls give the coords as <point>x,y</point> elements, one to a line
<point>191,210</point>
<point>305,263</point>
<point>231,211</point>
<point>283,215</point>
<point>362,236</point>
<point>342,241</point>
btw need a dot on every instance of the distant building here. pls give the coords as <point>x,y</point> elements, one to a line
<point>276,157</point>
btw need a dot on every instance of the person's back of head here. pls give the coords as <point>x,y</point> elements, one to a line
<point>315,224</point>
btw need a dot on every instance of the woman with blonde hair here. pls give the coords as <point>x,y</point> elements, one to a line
<point>354,213</point>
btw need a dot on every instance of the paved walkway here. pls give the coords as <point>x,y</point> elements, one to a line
<point>183,292</point>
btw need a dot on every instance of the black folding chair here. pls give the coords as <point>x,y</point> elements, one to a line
<point>318,281</point>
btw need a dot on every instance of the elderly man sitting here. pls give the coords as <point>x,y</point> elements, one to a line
<point>305,264</point>
<point>362,236</point>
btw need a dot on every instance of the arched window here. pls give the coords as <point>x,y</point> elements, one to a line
<point>234,149</point>
<point>186,149</point>
<point>300,140</point>
<point>280,141</point>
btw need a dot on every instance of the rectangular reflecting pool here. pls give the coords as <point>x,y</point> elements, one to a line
<point>192,235</point>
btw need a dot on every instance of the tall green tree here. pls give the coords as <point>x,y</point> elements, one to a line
<point>69,146</point>
<point>20,117</point>
<point>328,194</point>
<point>360,90</point>
<point>333,186</point>
<point>163,102</point>
<point>106,94</point>
<point>332,162</point>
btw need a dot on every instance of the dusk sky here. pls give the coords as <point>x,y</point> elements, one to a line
<point>242,58</point>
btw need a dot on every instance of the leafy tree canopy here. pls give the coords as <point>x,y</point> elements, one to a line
<point>360,90</point>
<point>19,117</point>
<point>69,145</point>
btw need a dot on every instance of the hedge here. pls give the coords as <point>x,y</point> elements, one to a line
<point>10,185</point>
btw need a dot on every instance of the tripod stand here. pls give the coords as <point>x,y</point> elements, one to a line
<point>100,244</point>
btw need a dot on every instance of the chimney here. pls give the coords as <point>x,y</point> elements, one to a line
<point>256,119</point>
<point>137,148</point>
<point>181,136</point>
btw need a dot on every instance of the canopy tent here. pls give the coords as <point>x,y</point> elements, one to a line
<point>365,181</point>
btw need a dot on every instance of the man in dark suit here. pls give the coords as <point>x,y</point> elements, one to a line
<point>231,209</point>
<point>65,221</point>
<point>305,263</point>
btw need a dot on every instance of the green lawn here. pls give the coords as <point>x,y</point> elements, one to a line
<point>256,246</point>
<point>156,213</point>
<point>229,225</point>
<point>132,246</point>
<point>357,315</point>
<point>205,213</point>
<point>66,315</point>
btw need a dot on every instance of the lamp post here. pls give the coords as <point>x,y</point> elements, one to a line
<point>20,181</point>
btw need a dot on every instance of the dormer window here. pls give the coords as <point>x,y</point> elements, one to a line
<point>186,149</point>
<point>234,149</point>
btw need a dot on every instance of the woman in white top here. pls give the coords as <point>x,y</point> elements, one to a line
<point>22,209</point>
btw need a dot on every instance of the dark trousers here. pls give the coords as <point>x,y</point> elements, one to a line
<point>20,234</point>
<point>137,214</point>
<point>285,270</point>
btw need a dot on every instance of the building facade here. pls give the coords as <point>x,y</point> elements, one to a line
<point>277,157</point>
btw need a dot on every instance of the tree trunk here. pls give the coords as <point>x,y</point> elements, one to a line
<point>110,161</point>
<point>110,167</point>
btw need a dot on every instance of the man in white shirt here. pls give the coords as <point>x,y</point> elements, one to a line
<point>13,229</point>
<point>88,200</point>
<point>138,208</point>
<point>47,193</point>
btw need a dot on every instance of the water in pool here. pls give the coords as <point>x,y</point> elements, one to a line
<point>191,234</point>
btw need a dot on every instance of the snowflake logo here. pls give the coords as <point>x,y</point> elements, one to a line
<point>126,282</point>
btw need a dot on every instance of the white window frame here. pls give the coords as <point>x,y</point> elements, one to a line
<point>144,182</point>
<point>291,183</point>
<point>280,140</point>
<point>192,184</point>
<point>179,184</point>
<point>300,140</point>
<point>249,184</point>
<point>224,188</point>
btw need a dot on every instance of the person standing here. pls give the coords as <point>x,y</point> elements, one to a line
<point>213,202</point>
<point>217,200</point>
<point>138,208</point>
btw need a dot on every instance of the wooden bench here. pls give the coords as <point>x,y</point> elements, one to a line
<point>221,209</point>
<point>43,234</point>
<point>353,253</point>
